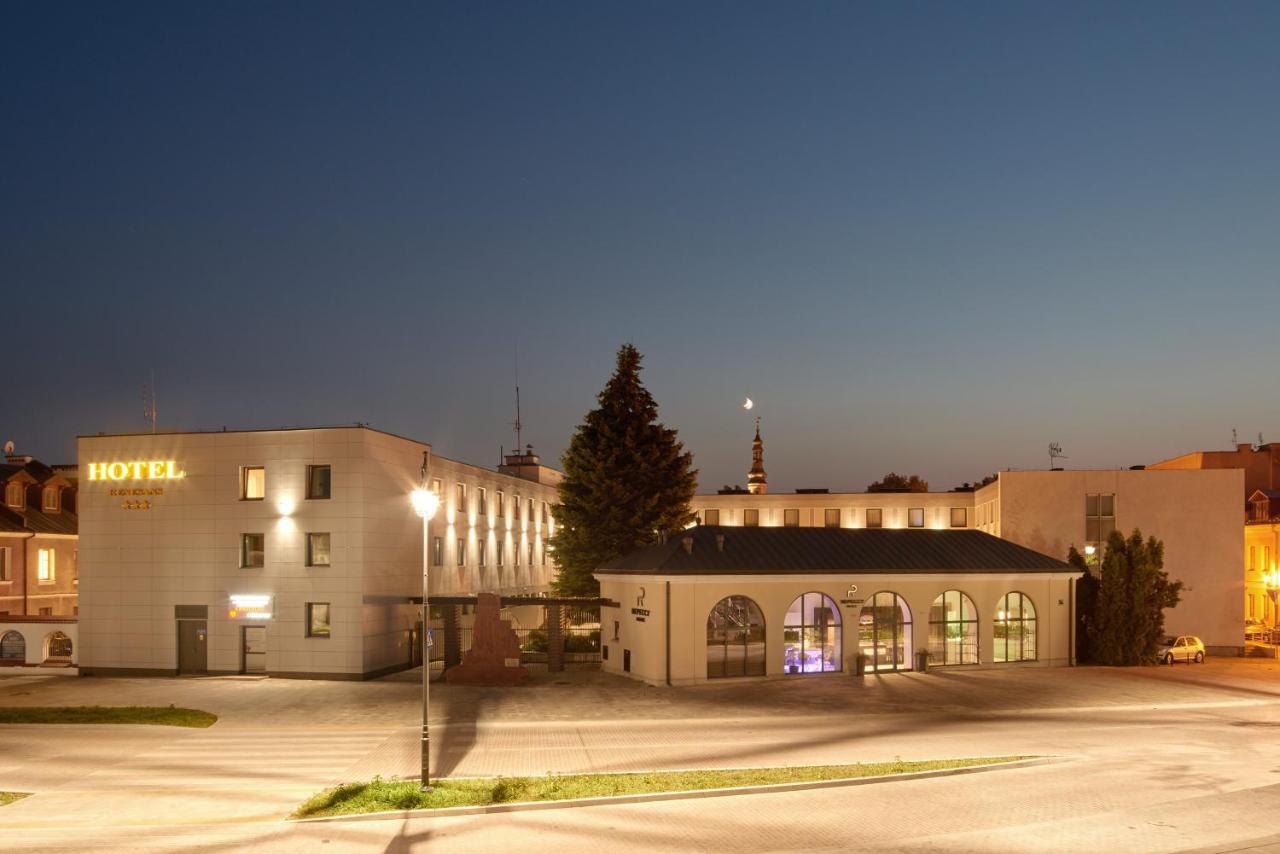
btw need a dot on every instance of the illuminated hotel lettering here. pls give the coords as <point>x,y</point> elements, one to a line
<point>137,470</point>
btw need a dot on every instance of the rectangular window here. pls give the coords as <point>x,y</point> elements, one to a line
<point>831,517</point>
<point>46,569</point>
<point>751,517</point>
<point>875,517</point>
<point>480,550</point>
<point>317,549</point>
<point>531,510</point>
<point>317,619</point>
<point>1253,558</point>
<point>1266,559</point>
<point>319,482</point>
<point>13,496</point>
<point>515,550</point>
<point>462,551</point>
<point>437,551</point>
<point>499,554</point>
<point>915,517</point>
<point>1100,517</point>
<point>501,501</point>
<point>462,498</point>
<point>791,518</point>
<point>253,483</point>
<point>544,513</point>
<point>482,501</point>
<point>530,554</point>
<point>711,517</point>
<point>437,486</point>
<point>252,550</point>
<point>959,517</point>
<point>6,570</point>
<point>51,500</point>
<point>46,612</point>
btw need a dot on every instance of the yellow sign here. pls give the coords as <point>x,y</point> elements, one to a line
<point>137,470</point>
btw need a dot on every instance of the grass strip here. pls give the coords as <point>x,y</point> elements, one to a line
<point>382,795</point>
<point>7,798</point>
<point>155,715</point>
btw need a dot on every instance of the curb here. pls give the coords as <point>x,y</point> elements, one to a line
<point>649,797</point>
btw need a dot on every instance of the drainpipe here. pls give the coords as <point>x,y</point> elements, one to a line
<point>26,562</point>
<point>668,621</point>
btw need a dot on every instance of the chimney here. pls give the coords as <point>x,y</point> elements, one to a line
<point>687,543</point>
<point>719,542</point>
<point>1244,447</point>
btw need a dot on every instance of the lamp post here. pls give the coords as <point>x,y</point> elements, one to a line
<point>425,502</point>
<point>1272,580</point>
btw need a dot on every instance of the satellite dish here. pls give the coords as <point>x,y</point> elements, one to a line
<point>8,447</point>
<point>749,403</point>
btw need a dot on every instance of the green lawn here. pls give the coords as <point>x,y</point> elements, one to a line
<point>7,798</point>
<point>381,795</point>
<point>157,715</point>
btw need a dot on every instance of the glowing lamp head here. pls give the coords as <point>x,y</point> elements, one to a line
<point>425,502</point>
<point>1089,550</point>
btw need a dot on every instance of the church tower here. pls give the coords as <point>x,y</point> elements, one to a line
<point>757,481</point>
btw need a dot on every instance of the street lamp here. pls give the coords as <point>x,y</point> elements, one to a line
<point>1272,580</point>
<point>425,502</point>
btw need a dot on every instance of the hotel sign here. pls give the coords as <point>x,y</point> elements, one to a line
<point>136,470</point>
<point>249,606</point>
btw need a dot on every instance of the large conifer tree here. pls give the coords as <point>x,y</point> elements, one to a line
<point>628,481</point>
<point>1128,618</point>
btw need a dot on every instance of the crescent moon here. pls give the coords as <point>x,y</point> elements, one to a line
<point>748,404</point>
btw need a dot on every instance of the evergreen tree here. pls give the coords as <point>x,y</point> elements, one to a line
<point>1086,602</point>
<point>628,481</point>
<point>1127,622</point>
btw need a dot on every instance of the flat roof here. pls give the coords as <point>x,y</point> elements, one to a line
<point>798,551</point>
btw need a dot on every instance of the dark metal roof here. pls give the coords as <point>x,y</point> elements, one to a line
<point>782,551</point>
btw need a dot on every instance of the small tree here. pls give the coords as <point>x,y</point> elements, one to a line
<point>894,482</point>
<point>628,481</point>
<point>1128,617</point>
<point>1086,603</point>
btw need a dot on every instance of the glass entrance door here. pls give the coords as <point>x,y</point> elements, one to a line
<point>254,644</point>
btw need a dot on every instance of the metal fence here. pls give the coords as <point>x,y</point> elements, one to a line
<point>580,636</point>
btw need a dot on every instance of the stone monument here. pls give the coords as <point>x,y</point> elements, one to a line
<point>494,657</point>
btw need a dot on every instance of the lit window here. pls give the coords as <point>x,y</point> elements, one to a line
<point>832,518</point>
<point>711,517</point>
<point>319,480</point>
<point>46,565</point>
<point>436,486</point>
<point>530,509</point>
<point>1253,558</point>
<point>953,630</point>
<point>6,558</point>
<point>13,496</point>
<point>751,518</point>
<point>959,517</point>
<point>317,549</point>
<point>544,512</point>
<point>482,504</point>
<point>915,517</point>
<point>317,619</point>
<point>480,552</point>
<point>252,550</point>
<point>791,518</point>
<point>1100,517</point>
<point>253,483</point>
<point>51,503</point>
<point>1014,629</point>
<point>875,517</point>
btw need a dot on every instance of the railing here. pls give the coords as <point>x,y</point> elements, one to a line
<point>580,638</point>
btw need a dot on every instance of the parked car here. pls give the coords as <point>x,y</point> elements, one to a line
<point>1255,630</point>
<point>1182,648</point>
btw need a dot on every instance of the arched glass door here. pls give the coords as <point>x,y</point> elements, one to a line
<point>735,638</point>
<point>811,635</point>
<point>884,632</point>
<point>953,630</point>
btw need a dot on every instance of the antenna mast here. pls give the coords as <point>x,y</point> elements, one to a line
<point>517,423</point>
<point>1055,454</point>
<point>149,401</point>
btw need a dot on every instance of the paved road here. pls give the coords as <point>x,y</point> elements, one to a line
<point>1154,760</point>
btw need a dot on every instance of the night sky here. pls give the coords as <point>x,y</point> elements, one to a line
<point>923,237</point>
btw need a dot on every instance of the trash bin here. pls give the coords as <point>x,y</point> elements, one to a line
<point>860,664</point>
<point>922,660</point>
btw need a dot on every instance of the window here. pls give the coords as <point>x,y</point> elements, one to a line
<point>1266,558</point>
<point>959,517</point>
<point>319,482</point>
<point>437,486</point>
<point>544,512</point>
<point>953,630</point>
<point>711,517</point>
<point>51,503</point>
<point>317,619</point>
<point>46,567</point>
<point>915,517</point>
<point>735,638</point>
<point>831,518</point>
<point>252,550</point>
<point>14,497</point>
<point>1014,630</point>
<point>437,551</point>
<point>530,509</point>
<point>530,554</point>
<point>499,554</point>
<point>46,612</point>
<point>317,549</point>
<point>751,517</point>
<point>1253,558</point>
<point>480,552</point>
<point>253,483</point>
<point>482,503</point>
<point>884,632</point>
<point>462,551</point>
<point>875,517</point>
<point>1099,517</point>
<point>6,564</point>
<point>791,518</point>
<point>501,501</point>
<point>1261,510</point>
<point>515,551</point>
<point>462,498</point>
<point>811,635</point>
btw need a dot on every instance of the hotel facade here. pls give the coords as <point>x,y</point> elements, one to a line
<point>290,552</point>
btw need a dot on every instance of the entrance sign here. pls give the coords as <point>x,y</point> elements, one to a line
<point>136,470</point>
<point>249,607</point>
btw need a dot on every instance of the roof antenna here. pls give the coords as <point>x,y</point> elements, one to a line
<point>1235,438</point>
<point>1055,454</point>
<point>149,401</point>
<point>517,424</point>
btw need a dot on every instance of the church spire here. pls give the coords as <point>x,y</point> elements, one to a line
<point>757,480</point>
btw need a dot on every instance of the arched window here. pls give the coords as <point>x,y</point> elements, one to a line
<point>13,647</point>
<point>58,645</point>
<point>1014,629</point>
<point>884,632</point>
<point>735,638</point>
<point>953,629</point>
<point>811,635</point>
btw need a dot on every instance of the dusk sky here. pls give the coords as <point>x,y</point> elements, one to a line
<point>931,238</point>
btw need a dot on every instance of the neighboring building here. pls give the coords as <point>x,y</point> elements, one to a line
<point>1262,550</point>
<point>731,601</point>
<point>38,540</point>
<point>289,552</point>
<point>1195,513</point>
<point>1260,464</point>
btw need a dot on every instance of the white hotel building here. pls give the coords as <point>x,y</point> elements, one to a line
<point>289,552</point>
